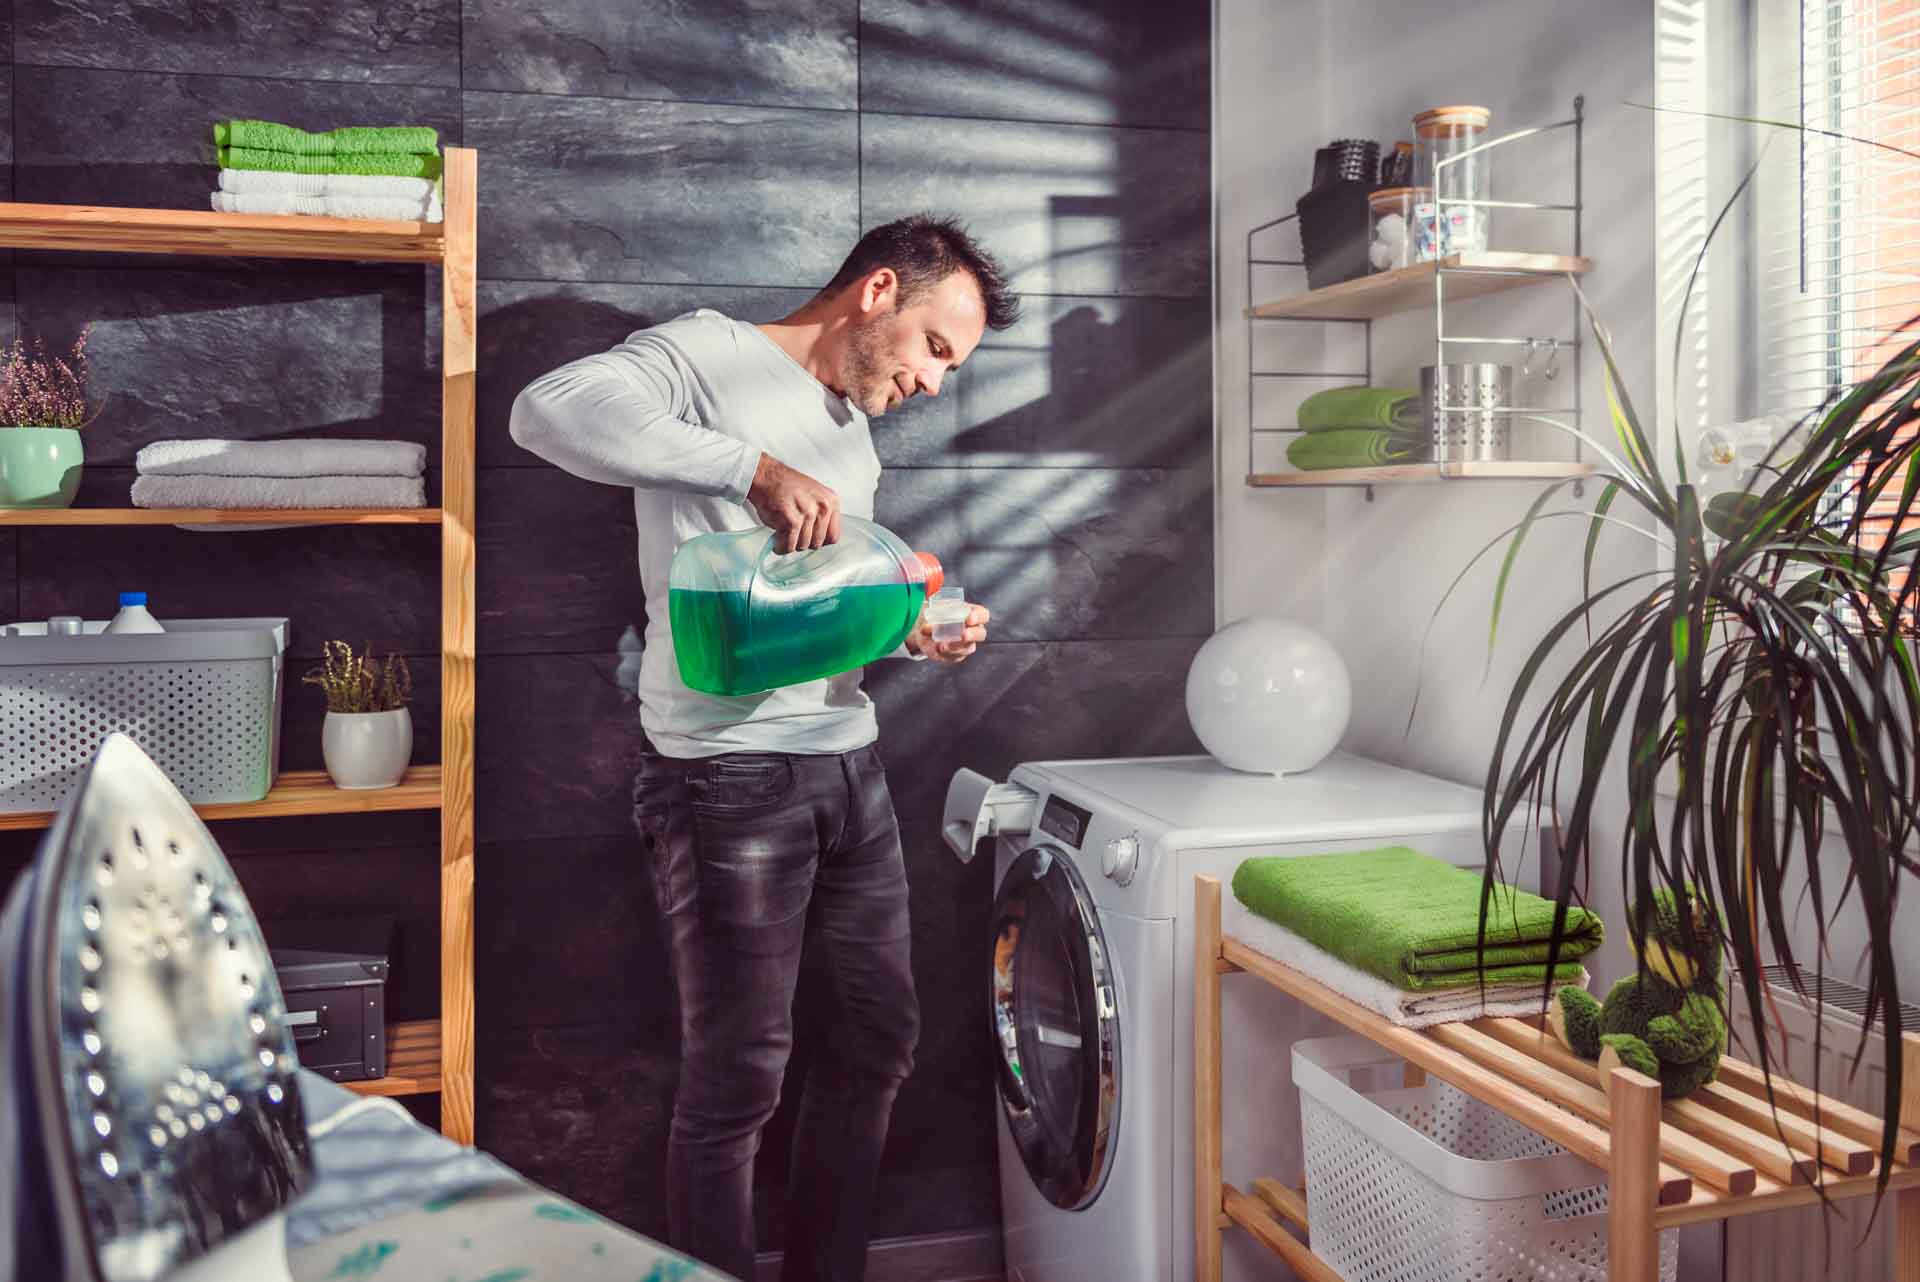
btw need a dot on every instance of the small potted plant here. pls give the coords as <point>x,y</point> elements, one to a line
<point>367,739</point>
<point>43,406</point>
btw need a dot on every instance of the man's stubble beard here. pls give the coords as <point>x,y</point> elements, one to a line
<point>866,359</point>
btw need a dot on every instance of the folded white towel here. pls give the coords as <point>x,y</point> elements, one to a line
<point>279,491</point>
<point>1396,1005</point>
<point>398,208</point>
<point>281,458</point>
<point>264,182</point>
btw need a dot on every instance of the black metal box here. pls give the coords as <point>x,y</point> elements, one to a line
<point>333,975</point>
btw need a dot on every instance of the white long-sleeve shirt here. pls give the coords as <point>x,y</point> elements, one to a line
<point>682,412</point>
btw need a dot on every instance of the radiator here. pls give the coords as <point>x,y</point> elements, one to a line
<point>1795,1246</point>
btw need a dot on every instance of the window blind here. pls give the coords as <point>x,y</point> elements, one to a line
<point>1837,231</point>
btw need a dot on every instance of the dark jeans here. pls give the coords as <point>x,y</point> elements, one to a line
<point>757,856</point>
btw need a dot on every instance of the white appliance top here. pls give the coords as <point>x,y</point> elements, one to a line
<point>1196,801</point>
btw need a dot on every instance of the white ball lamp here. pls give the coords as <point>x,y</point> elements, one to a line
<point>1269,696</point>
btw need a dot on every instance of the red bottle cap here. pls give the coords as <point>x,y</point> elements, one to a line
<point>930,566</point>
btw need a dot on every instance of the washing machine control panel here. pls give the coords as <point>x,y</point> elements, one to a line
<point>1121,858</point>
<point>1065,821</point>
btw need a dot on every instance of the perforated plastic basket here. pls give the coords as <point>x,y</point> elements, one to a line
<point>1431,1185</point>
<point>203,700</point>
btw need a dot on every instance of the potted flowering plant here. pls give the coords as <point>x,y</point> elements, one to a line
<point>367,738</point>
<point>43,405</point>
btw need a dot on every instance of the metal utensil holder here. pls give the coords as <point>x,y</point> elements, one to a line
<point>1475,425</point>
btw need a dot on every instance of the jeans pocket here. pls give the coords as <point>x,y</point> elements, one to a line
<point>657,788</point>
<point>739,783</point>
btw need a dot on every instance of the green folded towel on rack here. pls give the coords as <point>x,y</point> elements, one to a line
<point>286,162</point>
<point>1352,447</point>
<point>1344,407</point>
<point>384,140</point>
<point>1412,920</point>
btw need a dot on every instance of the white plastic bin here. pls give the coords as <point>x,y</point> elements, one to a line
<point>203,700</point>
<point>1431,1185</point>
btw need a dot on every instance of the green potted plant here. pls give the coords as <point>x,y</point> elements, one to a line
<point>1759,687</point>
<point>367,738</point>
<point>43,405</point>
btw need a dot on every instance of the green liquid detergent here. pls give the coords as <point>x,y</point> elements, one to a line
<point>727,644</point>
<point>746,620</point>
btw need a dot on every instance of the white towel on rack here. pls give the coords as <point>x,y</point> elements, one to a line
<point>264,182</point>
<point>215,457</point>
<point>403,209</point>
<point>279,491</point>
<point>1396,1005</point>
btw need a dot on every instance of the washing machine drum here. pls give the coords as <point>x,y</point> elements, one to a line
<point>1056,1027</point>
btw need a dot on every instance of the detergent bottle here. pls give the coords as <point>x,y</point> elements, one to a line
<point>746,618</point>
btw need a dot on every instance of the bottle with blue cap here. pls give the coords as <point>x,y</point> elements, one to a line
<point>133,616</point>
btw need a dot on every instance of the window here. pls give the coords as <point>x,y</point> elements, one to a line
<point>1839,226</point>
<point>1814,278</point>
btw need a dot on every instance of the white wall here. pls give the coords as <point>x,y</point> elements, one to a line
<point>1296,73</point>
<point>1272,110</point>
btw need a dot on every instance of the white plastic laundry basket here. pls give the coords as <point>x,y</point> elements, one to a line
<point>1431,1185</point>
<point>203,700</point>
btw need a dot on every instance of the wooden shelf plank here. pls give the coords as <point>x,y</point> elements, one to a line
<point>218,516</point>
<point>1796,1099</point>
<point>413,1061</point>
<point>1406,288</point>
<point>116,229</point>
<point>1289,1204</point>
<point>1252,1215</point>
<point>1422,474</point>
<point>300,792</point>
<point>1701,1158</point>
<point>1747,1133</point>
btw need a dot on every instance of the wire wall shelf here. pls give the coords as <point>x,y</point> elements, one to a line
<point>1455,277</point>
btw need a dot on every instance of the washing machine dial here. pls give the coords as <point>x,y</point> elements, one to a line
<point>1121,858</point>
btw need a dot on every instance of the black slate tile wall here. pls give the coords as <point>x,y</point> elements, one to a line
<point>638,159</point>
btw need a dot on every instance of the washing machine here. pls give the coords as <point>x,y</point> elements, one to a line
<point>1090,997</point>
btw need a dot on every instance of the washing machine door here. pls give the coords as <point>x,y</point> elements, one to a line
<point>1056,1027</point>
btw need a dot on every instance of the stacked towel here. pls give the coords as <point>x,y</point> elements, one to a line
<point>266,182</point>
<point>378,140</point>
<point>228,202</point>
<point>1351,407</point>
<point>378,154</point>
<point>1399,932</point>
<point>280,474</point>
<point>1358,427</point>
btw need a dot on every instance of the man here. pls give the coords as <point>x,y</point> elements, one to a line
<point>768,818</point>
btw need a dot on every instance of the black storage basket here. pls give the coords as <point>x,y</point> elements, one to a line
<point>1333,232</point>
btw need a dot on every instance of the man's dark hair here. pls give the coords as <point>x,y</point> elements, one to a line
<point>923,251</point>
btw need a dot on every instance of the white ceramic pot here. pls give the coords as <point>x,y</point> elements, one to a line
<point>367,749</point>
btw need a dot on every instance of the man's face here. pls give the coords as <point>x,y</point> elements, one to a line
<point>895,352</point>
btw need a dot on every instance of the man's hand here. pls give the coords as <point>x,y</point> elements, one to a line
<point>802,513</point>
<point>920,641</point>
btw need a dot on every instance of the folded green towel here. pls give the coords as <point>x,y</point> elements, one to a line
<point>286,162</point>
<point>1351,447</point>
<point>385,140</point>
<point>1339,407</point>
<point>1411,919</point>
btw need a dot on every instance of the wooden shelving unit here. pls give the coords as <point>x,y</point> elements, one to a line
<point>110,229</point>
<point>1428,287</point>
<point>219,516</point>
<point>1407,288</point>
<point>298,792</point>
<point>1712,1156</point>
<point>430,1055</point>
